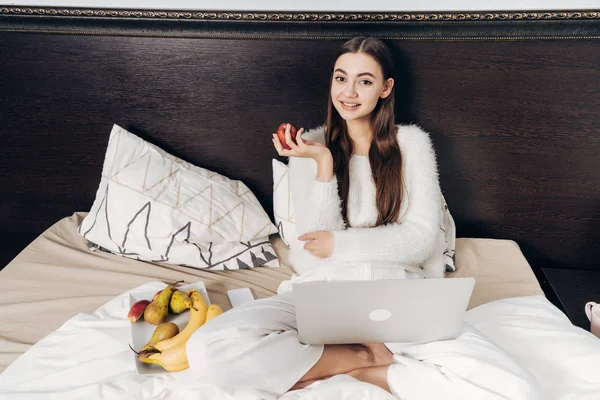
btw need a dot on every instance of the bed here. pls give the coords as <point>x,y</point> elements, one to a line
<point>509,99</point>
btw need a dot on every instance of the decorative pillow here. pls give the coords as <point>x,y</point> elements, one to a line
<point>447,226</point>
<point>283,210</point>
<point>153,206</point>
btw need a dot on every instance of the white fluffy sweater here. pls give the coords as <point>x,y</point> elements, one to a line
<point>411,248</point>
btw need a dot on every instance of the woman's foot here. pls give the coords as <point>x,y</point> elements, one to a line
<point>379,354</point>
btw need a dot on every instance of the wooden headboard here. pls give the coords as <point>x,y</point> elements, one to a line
<point>511,100</point>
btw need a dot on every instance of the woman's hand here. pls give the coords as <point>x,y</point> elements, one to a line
<point>304,148</point>
<point>320,244</point>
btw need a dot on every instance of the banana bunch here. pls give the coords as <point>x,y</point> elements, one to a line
<point>169,351</point>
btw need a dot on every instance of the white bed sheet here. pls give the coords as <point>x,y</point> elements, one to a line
<point>88,357</point>
<point>38,287</point>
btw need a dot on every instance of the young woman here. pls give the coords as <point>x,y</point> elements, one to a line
<point>365,191</point>
<point>367,202</point>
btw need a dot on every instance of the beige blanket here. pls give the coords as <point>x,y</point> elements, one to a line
<point>56,277</point>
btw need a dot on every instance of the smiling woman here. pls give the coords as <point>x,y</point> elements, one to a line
<point>366,107</point>
<point>509,101</point>
<point>368,206</point>
<point>353,180</point>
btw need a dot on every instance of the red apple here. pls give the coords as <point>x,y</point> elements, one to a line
<point>281,134</point>
<point>137,310</point>
<point>156,295</point>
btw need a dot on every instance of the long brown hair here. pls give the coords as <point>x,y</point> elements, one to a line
<point>384,153</point>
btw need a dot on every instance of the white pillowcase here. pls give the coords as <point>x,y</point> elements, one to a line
<point>153,206</point>
<point>283,209</point>
<point>563,357</point>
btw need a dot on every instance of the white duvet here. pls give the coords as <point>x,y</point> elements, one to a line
<point>89,358</point>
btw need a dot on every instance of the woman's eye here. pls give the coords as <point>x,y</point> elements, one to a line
<point>342,79</point>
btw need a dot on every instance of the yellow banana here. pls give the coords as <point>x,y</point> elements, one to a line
<point>177,367</point>
<point>172,360</point>
<point>213,311</point>
<point>197,319</point>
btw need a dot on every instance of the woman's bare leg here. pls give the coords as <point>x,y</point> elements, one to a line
<point>336,359</point>
<point>374,375</point>
<point>340,359</point>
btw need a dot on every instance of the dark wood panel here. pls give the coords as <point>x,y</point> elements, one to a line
<point>12,244</point>
<point>514,122</point>
<point>517,141</point>
<point>65,92</point>
<point>575,288</point>
<point>294,25</point>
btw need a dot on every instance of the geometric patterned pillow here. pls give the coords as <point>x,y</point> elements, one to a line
<point>153,206</point>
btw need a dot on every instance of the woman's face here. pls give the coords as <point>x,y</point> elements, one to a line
<point>357,85</point>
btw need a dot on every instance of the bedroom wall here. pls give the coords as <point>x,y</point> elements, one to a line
<point>320,5</point>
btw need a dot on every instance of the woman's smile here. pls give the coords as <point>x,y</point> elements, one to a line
<point>349,106</point>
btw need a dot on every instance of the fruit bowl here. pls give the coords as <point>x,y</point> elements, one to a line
<point>141,331</point>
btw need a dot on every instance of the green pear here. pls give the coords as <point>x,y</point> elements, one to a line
<point>163,331</point>
<point>157,311</point>
<point>180,301</point>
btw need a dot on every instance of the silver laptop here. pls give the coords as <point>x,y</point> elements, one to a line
<point>381,311</point>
